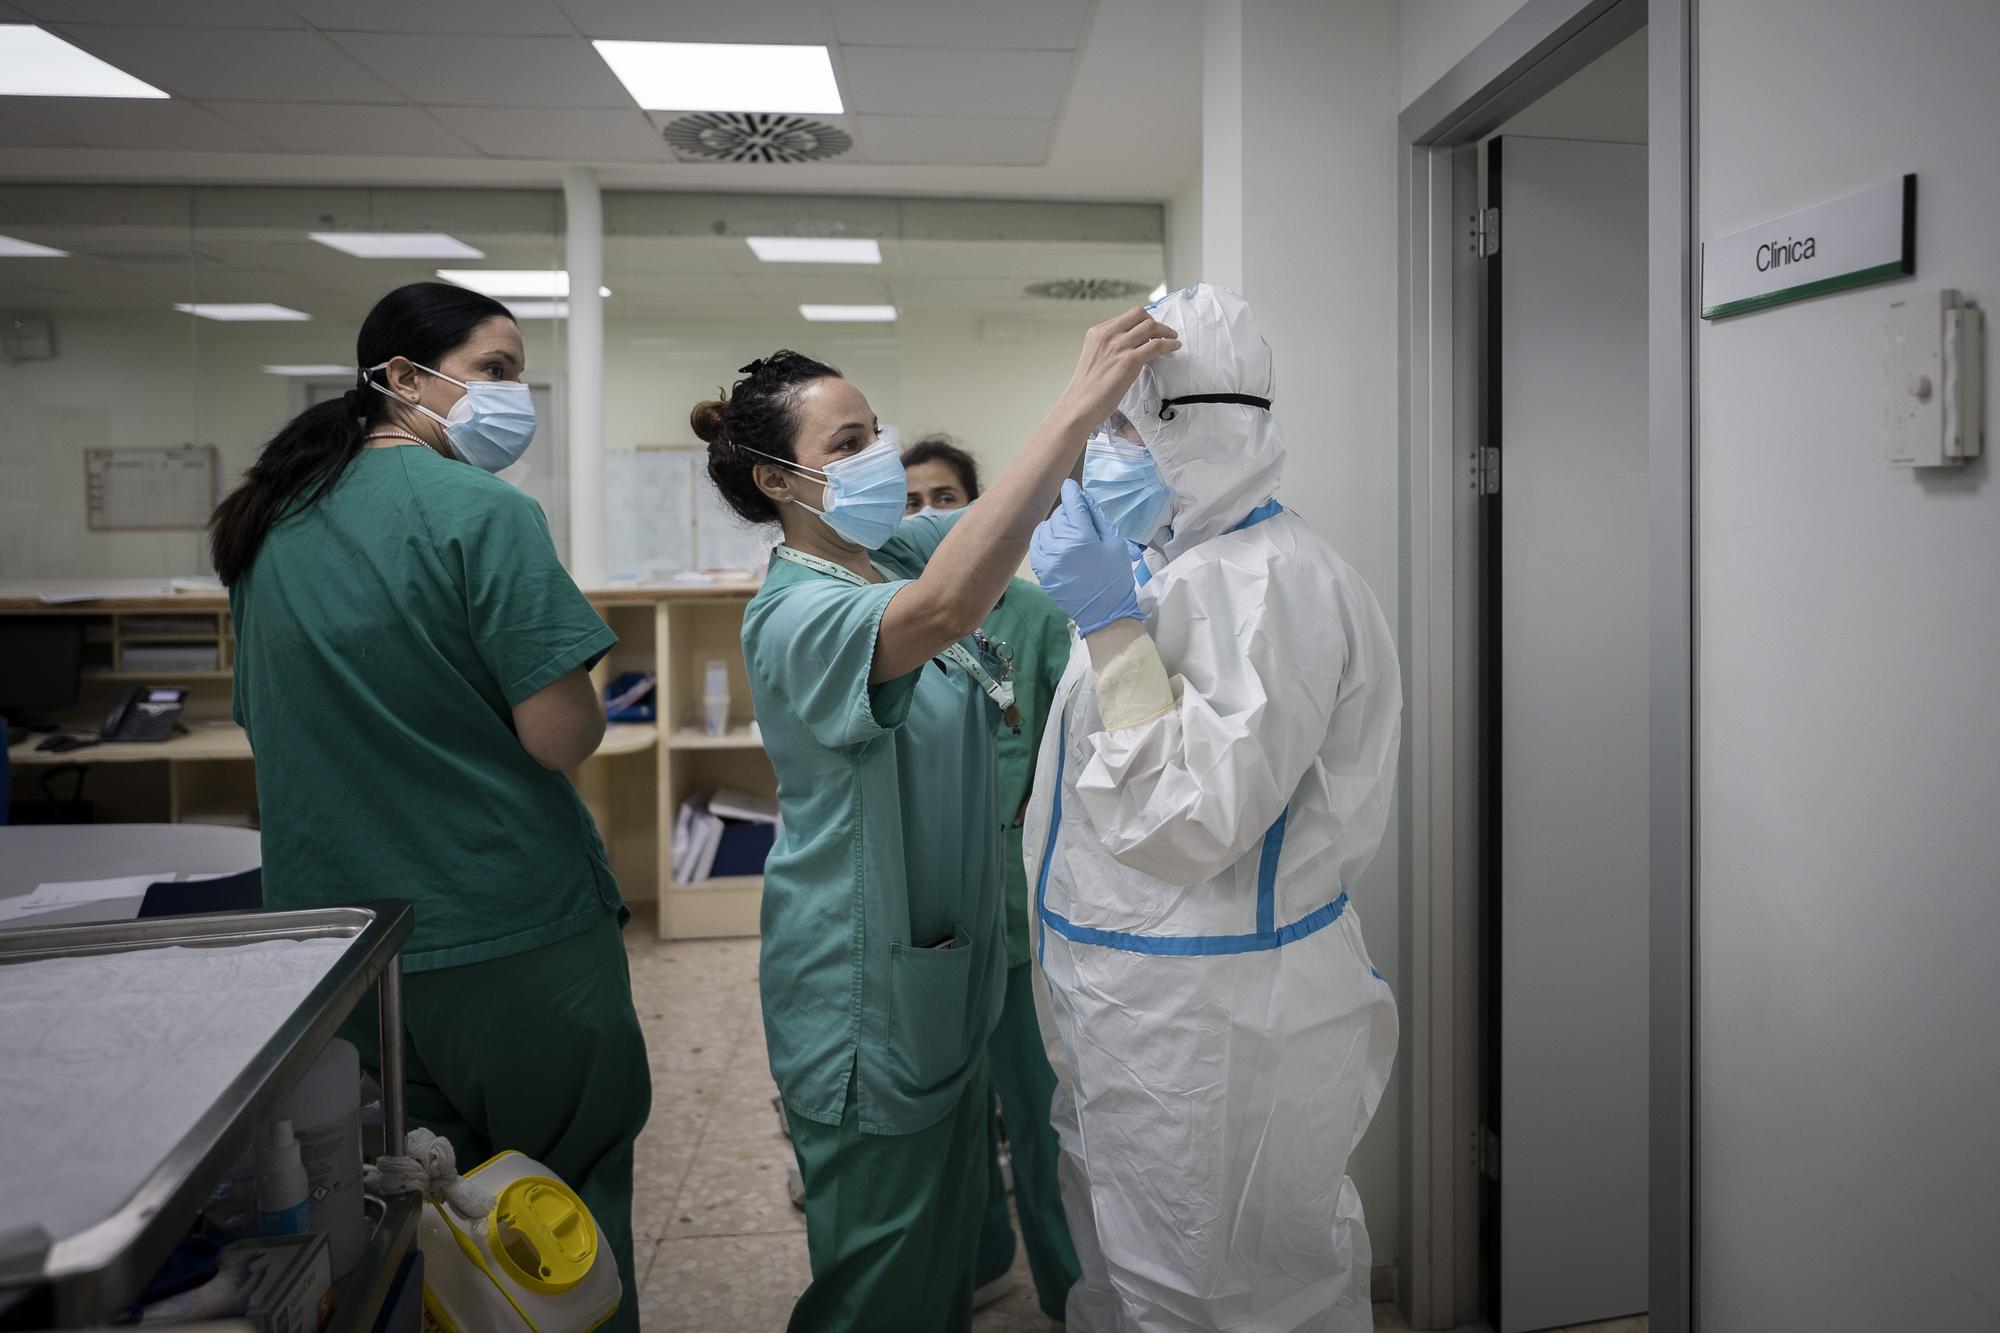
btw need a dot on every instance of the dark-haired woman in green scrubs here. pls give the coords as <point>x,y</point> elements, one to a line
<point>884,946</point>
<point>411,668</point>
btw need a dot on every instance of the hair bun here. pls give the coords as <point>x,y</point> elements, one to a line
<point>707,418</point>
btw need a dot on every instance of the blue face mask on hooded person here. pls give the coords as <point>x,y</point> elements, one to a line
<point>1124,481</point>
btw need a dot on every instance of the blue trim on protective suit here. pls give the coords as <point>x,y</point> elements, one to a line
<point>1268,934</point>
<point>1198,945</point>
<point>1267,875</point>
<point>1269,509</point>
<point>1049,847</point>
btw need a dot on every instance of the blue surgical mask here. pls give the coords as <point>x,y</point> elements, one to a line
<point>1121,477</point>
<point>865,494</point>
<point>490,426</point>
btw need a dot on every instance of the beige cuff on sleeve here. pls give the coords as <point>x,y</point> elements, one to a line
<point>1132,687</point>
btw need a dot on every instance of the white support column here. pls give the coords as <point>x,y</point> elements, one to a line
<point>583,244</point>
<point>1222,146</point>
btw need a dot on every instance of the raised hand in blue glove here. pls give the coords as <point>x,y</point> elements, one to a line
<point>1083,564</point>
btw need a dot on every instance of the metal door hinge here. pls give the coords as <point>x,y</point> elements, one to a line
<point>1489,1154</point>
<point>1483,474</point>
<point>1483,235</point>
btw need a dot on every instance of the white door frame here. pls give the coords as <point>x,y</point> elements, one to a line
<point>1541,45</point>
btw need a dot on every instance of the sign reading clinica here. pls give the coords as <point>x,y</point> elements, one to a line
<point>1866,237</point>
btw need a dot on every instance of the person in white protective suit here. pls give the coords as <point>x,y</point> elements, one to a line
<point>1216,771</point>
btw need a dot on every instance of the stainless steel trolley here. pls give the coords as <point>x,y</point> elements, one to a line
<point>86,1278</point>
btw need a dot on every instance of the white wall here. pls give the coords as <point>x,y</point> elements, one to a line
<point>1437,34</point>
<point>1848,744</point>
<point>1316,215</point>
<point>989,383</point>
<point>1184,239</point>
<point>137,381</point>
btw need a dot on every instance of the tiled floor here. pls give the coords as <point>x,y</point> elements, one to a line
<point>720,1249</point>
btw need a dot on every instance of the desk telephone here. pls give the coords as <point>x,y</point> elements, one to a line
<point>146,713</point>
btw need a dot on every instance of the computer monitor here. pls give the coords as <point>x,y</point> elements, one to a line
<point>41,660</point>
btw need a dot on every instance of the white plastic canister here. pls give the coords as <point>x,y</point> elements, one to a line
<point>536,1262</point>
<point>325,1111</point>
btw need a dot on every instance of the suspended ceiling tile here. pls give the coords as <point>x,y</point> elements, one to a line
<point>1029,25</point>
<point>974,141</point>
<point>794,22</point>
<point>384,131</point>
<point>895,80</point>
<point>117,123</point>
<point>1031,261</point>
<point>20,134</point>
<point>478,70</point>
<point>818,287</point>
<point>557,135</point>
<point>235,64</point>
<point>204,14</point>
<point>500,17</point>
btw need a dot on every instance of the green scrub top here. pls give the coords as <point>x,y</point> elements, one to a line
<point>383,635</point>
<point>884,952</point>
<point>1027,620</point>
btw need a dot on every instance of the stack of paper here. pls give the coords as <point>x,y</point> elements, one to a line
<point>723,833</point>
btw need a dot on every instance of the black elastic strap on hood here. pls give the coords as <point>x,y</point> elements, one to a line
<point>1167,405</point>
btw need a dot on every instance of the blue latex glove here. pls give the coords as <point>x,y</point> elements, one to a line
<point>1082,562</point>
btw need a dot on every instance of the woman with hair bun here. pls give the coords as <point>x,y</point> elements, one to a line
<point>884,949</point>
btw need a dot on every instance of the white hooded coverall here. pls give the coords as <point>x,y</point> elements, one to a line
<point>1220,1035</point>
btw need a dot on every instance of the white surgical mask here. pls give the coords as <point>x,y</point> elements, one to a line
<point>490,426</point>
<point>864,493</point>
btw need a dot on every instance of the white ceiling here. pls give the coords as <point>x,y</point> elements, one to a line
<point>1026,98</point>
<point>137,252</point>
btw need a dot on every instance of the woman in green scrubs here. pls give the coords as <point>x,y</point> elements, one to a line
<point>411,667</point>
<point>884,945</point>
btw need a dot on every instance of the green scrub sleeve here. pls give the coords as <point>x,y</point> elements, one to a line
<point>531,623</point>
<point>816,650</point>
<point>917,539</point>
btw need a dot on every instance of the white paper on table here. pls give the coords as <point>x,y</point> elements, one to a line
<point>112,1058</point>
<point>56,895</point>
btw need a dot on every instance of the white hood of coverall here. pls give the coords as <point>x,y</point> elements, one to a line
<point>1221,460</point>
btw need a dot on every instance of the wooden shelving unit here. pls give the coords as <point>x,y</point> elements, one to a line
<point>633,786</point>
<point>693,633</point>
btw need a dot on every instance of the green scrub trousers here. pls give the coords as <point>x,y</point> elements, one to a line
<point>540,1052</point>
<point>1025,1086</point>
<point>893,1221</point>
<point>1038,632</point>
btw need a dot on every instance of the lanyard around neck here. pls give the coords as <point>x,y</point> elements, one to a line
<point>1001,692</point>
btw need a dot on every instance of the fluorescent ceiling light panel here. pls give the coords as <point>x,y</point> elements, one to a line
<point>397,244</point>
<point>548,284</point>
<point>246,311</point>
<point>541,282</point>
<point>849,314</point>
<point>811,250</point>
<point>310,372</point>
<point>12,248</point>
<point>36,63</point>
<point>538,309</point>
<point>723,76</point>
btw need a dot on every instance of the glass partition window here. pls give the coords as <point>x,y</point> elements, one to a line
<point>171,319</point>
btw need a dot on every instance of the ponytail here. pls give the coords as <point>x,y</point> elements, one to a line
<point>298,466</point>
<point>423,322</point>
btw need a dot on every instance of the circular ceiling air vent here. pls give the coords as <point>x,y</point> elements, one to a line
<point>755,136</point>
<point>1087,289</point>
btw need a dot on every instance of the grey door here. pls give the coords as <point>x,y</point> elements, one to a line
<point>1567,310</point>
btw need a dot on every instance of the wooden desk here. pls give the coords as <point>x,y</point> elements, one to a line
<point>634,785</point>
<point>226,741</point>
